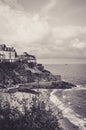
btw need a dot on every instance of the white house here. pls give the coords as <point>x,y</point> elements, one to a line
<point>7,53</point>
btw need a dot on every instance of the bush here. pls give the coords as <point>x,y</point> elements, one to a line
<point>36,118</point>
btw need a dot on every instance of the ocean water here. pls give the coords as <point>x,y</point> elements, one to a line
<point>74,73</point>
<point>73,99</point>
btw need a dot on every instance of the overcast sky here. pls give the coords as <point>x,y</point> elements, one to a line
<point>49,29</point>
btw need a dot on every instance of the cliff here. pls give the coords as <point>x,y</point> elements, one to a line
<point>21,72</point>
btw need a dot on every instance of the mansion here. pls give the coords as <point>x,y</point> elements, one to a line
<point>9,54</point>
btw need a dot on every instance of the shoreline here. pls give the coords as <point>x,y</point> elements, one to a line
<point>67,119</point>
<point>70,119</point>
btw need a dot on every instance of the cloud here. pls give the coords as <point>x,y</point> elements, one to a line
<point>49,6</point>
<point>66,32</point>
<point>35,34</point>
<point>14,4</point>
<point>19,26</point>
<point>66,41</point>
<point>76,43</point>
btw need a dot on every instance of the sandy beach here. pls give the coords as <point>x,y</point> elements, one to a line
<point>70,120</point>
<point>67,118</point>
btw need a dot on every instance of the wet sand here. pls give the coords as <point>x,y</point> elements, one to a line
<point>70,121</point>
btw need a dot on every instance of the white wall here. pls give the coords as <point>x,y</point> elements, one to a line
<point>8,54</point>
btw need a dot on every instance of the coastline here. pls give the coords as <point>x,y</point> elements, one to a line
<point>70,120</point>
<point>66,117</point>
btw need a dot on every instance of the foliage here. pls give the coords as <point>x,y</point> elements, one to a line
<point>36,118</point>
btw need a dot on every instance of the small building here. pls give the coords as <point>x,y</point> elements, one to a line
<point>27,57</point>
<point>7,53</point>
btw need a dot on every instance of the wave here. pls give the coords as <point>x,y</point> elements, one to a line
<point>68,112</point>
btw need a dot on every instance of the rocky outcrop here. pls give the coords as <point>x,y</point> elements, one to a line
<point>20,72</point>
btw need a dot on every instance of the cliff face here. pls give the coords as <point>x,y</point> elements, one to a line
<point>23,72</point>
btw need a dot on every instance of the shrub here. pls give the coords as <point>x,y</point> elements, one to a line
<point>36,118</point>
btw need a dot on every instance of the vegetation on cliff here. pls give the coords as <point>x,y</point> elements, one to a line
<point>12,73</point>
<point>21,69</point>
<point>34,118</point>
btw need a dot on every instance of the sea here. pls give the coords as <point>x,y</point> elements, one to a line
<point>73,99</point>
<point>74,73</point>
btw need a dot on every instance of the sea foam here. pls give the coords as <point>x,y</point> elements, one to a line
<point>68,112</point>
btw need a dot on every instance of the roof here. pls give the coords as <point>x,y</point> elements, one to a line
<point>28,55</point>
<point>3,47</point>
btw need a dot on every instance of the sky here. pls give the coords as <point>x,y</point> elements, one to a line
<point>48,29</point>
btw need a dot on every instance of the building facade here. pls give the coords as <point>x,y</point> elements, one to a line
<point>7,53</point>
